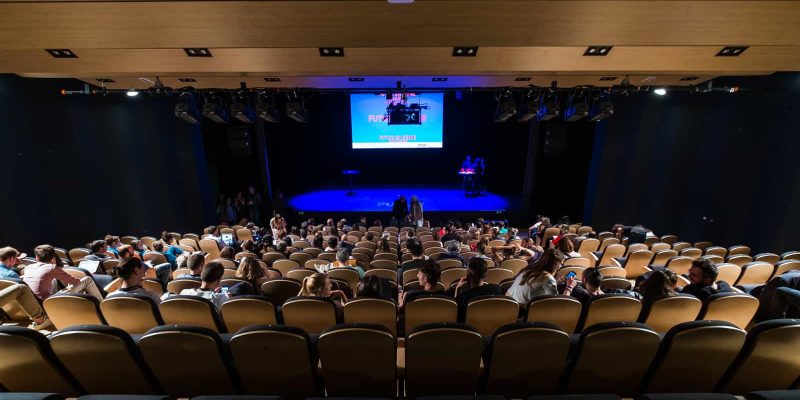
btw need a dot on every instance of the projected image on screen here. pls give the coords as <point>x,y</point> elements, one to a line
<point>381,123</point>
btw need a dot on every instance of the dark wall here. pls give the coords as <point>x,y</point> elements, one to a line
<point>80,167</point>
<point>714,166</point>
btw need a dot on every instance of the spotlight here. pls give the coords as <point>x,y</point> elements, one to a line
<point>660,91</point>
<point>548,107</point>
<point>214,110</point>
<point>296,110</point>
<point>132,93</point>
<point>186,108</point>
<point>602,109</point>
<point>577,109</point>
<point>266,109</point>
<point>506,107</point>
<point>240,108</point>
<point>529,107</point>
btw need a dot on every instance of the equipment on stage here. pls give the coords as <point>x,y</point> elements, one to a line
<point>466,171</point>
<point>350,173</point>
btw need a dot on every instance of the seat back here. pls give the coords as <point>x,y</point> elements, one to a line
<point>786,265</point>
<point>86,350</point>
<point>768,360</point>
<point>614,282</point>
<point>28,364</point>
<point>656,247</point>
<point>191,310</point>
<point>241,311</point>
<point>178,285</point>
<point>544,348</point>
<point>68,309</point>
<point>442,359</point>
<point>610,308</point>
<point>609,241</point>
<point>740,259</point>
<point>133,313</point>
<point>300,257</point>
<point>611,252</point>
<point>728,273</point>
<point>488,313</point>
<point>277,291</point>
<point>275,360</point>
<point>211,247</point>
<point>716,251</point>
<point>663,256</point>
<point>429,309</point>
<point>692,252</point>
<point>12,309</point>
<point>497,275</point>
<point>755,273</point>
<point>693,356</point>
<point>189,361</point>
<point>78,254</point>
<point>740,249</point>
<point>359,361</point>
<point>448,263</point>
<point>562,272</point>
<point>678,246</point>
<point>372,311</point>
<point>736,308</point>
<point>769,258</point>
<point>383,274</point>
<point>703,245</point>
<point>514,265</point>
<point>311,314</point>
<point>349,275</point>
<point>285,265</point>
<point>577,262</point>
<point>665,313</point>
<point>635,247</point>
<point>591,371</point>
<point>637,262</point>
<point>271,257</point>
<point>679,265</point>
<point>588,246</point>
<point>155,258</point>
<point>562,311</point>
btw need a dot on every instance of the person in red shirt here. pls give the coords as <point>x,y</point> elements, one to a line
<point>39,276</point>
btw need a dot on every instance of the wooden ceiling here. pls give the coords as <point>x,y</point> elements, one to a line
<point>655,42</point>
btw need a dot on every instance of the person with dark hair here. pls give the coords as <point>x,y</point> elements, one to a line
<point>591,280</point>
<point>195,262</point>
<point>171,250</point>
<point>132,271</point>
<point>567,247</point>
<point>416,211</point>
<point>319,241</point>
<point>333,244</point>
<point>428,277</point>
<point>417,258</point>
<point>211,278</point>
<point>99,251</point>
<point>138,247</point>
<point>399,211</point>
<point>383,244</point>
<point>249,246</point>
<point>9,260</point>
<point>450,234</point>
<point>227,253</point>
<point>40,276</point>
<point>703,280</point>
<point>473,285</point>
<point>661,283</point>
<point>113,243</point>
<point>373,286</point>
<point>537,279</point>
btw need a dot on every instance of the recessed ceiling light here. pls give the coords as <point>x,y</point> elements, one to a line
<point>689,78</point>
<point>106,80</point>
<point>597,51</point>
<point>523,79</point>
<point>132,93</point>
<point>356,79</point>
<point>198,52</point>
<point>608,78</point>
<point>732,51</point>
<point>660,91</point>
<point>439,79</point>
<point>331,51</point>
<point>62,53</point>
<point>272,79</point>
<point>185,80</point>
<point>465,51</point>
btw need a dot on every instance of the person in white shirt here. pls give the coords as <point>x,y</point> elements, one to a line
<point>537,278</point>
<point>210,288</point>
<point>132,272</point>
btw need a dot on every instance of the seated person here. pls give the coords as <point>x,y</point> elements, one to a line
<point>319,285</point>
<point>703,280</point>
<point>210,287</point>
<point>473,286</point>
<point>171,249</point>
<point>567,247</point>
<point>113,243</point>
<point>591,280</point>
<point>251,271</point>
<point>342,258</point>
<point>227,253</point>
<point>375,287</point>
<point>40,276</point>
<point>138,247</point>
<point>417,257</point>
<point>660,283</point>
<point>25,299</point>
<point>99,251</point>
<point>195,262</point>
<point>9,262</point>
<point>428,277</point>
<point>450,234</point>
<point>333,244</point>
<point>132,271</point>
<point>452,253</point>
<point>537,279</point>
<point>780,297</point>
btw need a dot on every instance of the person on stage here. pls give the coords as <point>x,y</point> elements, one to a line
<point>416,211</point>
<point>399,210</point>
<point>466,171</point>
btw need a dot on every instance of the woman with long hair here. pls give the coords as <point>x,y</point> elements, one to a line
<point>537,279</point>
<point>661,283</point>
<point>251,271</point>
<point>416,211</point>
<point>319,285</point>
<point>567,247</point>
<point>473,285</point>
<point>383,244</point>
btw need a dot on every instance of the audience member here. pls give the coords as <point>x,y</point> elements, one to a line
<point>342,261</point>
<point>195,262</point>
<point>567,247</point>
<point>333,244</point>
<point>776,297</point>
<point>453,247</point>
<point>703,280</point>
<point>9,260</point>
<point>591,280</point>
<point>132,271</point>
<point>98,248</point>
<point>210,286</point>
<point>417,258</point>
<point>112,242</point>
<point>428,279</point>
<point>473,285</point>
<point>251,271</point>
<point>537,279</point>
<point>661,283</point>
<point>40,276</point>
<point>319,285</point>
<point>227,253</point>
<point>171,250</point>
<point>23,296</point>
<point>373,286</point>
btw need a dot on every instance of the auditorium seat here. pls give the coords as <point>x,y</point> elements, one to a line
<point>372,311</point>
<point>28,364</point>
<point>210,247</point>
<point>659,246</point>
<point>768,360</point>
<point>609,272</point>
<point>189,360</point>
<point>587,247</point>
<point>386,256</point>
<point>409,275</point>
<point>613,282</point>
<point>271,257</point>
<point>784,266</point>
<point>542,346</point>
<point>703,245</point>
<point>191,310</point>
<point>78,254</point>
<point>68,309</point>
<point>680,265</point>
<point>736,308</point>
<point>442,359</point>
<point>692,252</point>
<point>300,257</point>
<point>769,258</point>
<point>155,258</point>
<point>633,248</point>
<point>275,360</point>
<point>514,265</point>
<point>241,311</point>
<point>791,255</point>
<point>497,275</point>
<point>313,251</point>
<point>311,314</point>
<point>715,251</point>
<point>449,263</point>
<point>728,272</point>
<point>598,368</point>
<point>134,313</point>
<point>285,265</point>
<point>347,274</point>
<point>667,312</point>
<point>693,356</point>
<point>429,309</point>
<point>755,273</point>
<point>178,285</point>
<point>741,259</point>
<point>358,360</point>
<point>605,257</point>
<point>384,274</point>
<point>663,256</point>
<point>738,249</point>
<point>773,395</point>
<point>562,272</point>
<point>12,311</point>
<point>452,275</point>
<point>277,291</point>
<point>610,308</point>
<point>580,262</point>
<point>562,311</point>
<point>713,258</point>
<point>488,313</point>
<point>87,352</point>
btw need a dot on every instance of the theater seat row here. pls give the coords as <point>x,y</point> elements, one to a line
<point>435,359</point>
<point>136,313</point>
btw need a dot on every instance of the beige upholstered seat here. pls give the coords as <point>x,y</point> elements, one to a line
<point>191,310</point>
<point>349,370</point>
<point>611,308</point>
<point>667,312</point>
<point>442,359</point>
<point>133,313</point>
<point>372,311</point>
<point>488,313</point>
<point>561,311</point>
<point>426,310</point>
<point>736,308</point>
<point>311,314</point>
<point>239,312</point>
<point>70,309</point>
<point>29,365</point>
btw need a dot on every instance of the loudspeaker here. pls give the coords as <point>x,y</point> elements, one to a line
<point>239,141</point>
<point>555,140</point>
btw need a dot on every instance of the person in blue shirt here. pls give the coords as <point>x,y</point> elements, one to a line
<point>172,251</point>
<point>9,260</point>
<point>112,243</point>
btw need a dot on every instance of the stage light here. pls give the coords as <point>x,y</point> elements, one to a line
<point>576,111</point>
<point>506,107</point>
<point>132,93</point>
<point>186,108</point>
<point>240,108</point>
<point>214,110</point>
<point>296,110</point>
<point>660,91</point>
<point>266,109</point>
<point>602,108</point>
<point>529,107</point>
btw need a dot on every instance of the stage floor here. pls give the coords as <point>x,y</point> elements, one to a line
<point>381,200</point>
